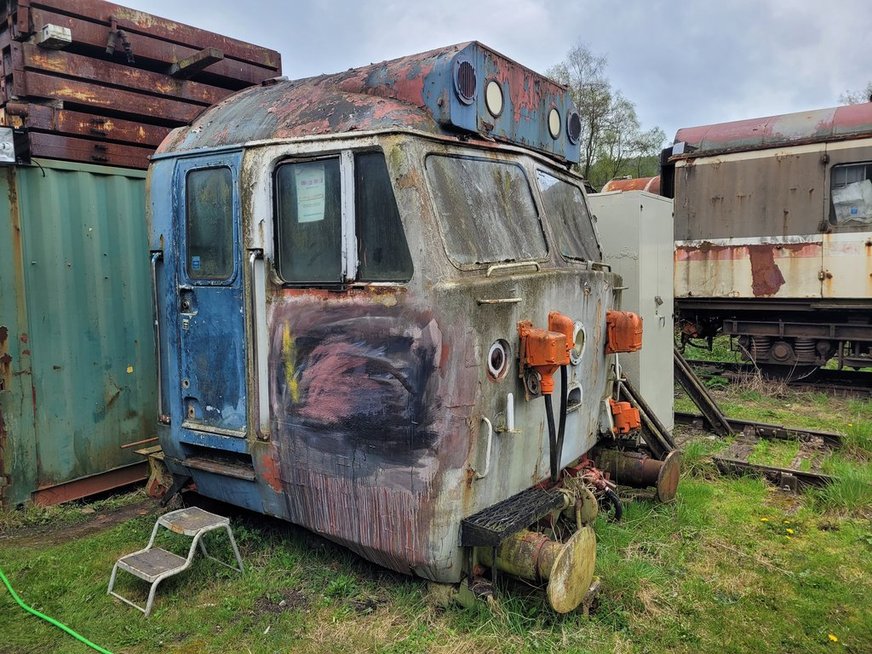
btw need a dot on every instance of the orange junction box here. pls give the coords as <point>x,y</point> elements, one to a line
<point>624,332</point>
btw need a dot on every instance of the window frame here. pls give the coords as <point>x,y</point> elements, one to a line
<point>482,156</point>
<point>350,265</point>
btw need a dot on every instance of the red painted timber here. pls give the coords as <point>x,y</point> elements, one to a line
<point>30,84</point>
<point>139,22</point>
<point>84,32</point>
<point>75,123</point>
<point>120,75</point>
<point>54,146</point>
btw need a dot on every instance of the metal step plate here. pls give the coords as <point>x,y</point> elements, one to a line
<point>150,564</point>
<point>490,527</point>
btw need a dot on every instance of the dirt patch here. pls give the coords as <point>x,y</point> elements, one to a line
<point>366,605</point>
<point>290,600</point>
<point>55,534</point>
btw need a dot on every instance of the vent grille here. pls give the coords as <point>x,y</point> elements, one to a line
<point>573,127</point>
<point>465,82</point>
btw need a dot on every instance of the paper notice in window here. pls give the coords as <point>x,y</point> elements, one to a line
<point>310,193</point>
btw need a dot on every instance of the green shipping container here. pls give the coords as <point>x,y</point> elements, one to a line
<point>77,377</point>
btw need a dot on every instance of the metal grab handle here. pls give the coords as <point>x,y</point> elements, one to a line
<point>498,300</point>
<point>156,256</point>
<point>509,266</point>
<point>253,256</point>
<point>490,443</point>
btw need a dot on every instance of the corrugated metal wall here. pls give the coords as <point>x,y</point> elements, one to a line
<point>75,299</point>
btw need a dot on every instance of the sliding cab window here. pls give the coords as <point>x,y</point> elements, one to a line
<point>485,210</point>
<point>311,226</point>
<point>570,220</point>
<point>851,197</point>
<point>209,224</point>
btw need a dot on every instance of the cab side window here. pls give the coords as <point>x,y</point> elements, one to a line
<point>311,225</point>
<point>382,251</point>
<point>209,224</point>
<point>851,196</point>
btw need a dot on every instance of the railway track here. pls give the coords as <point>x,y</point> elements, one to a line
<point>813,445</point>
<point>853,382</point>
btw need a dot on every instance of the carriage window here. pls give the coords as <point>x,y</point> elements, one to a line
<point>309,221</point>
<point>486,210</point>
<point>209,220</point>
<point>851,193</point>
<point>382,252</point>
<point>569,218</point>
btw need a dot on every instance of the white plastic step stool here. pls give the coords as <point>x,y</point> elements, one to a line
<point>154,564</point>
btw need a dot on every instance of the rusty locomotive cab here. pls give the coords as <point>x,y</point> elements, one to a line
<point>366,283</point>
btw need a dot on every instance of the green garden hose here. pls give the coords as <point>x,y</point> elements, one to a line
<point>48,619</point>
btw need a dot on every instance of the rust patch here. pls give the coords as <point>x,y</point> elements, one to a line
<point>269,469</point>
<point>766,277</point>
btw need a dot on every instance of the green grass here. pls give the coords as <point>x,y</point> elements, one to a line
<point>720,351</point>
<point>733,565</point>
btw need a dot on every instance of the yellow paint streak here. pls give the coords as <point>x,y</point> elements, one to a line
<point>289,359</point>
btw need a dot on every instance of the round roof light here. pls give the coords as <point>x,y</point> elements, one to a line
<point>465,81</point>
<point>493,98</point>
<point>573,127</point>
<point>554,123</point>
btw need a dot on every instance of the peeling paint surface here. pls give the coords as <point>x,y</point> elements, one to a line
<point>415,93</point>
<point>818,126</point>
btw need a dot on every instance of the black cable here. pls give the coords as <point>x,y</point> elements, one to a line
<point>616,503</point>
<point>552,440</point>
<point>564,398</point>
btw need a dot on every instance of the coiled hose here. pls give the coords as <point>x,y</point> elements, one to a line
<point>48,619</point>
<point>616,503</point>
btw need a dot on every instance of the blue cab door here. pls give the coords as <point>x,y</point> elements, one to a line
<point>211,318</point>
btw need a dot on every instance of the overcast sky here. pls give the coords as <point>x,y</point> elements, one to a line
<point>682,62</point>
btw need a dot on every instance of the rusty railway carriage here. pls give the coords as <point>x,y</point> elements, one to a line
<point>343,269</point>
<point>773,228</point>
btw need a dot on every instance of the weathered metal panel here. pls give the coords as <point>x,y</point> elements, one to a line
<point>635,229</point>
<point>748,195</point>
<point>17,430</point>
<point>85,287</point>
<point>779,267</point>
<point>414,92</point>
<point>818,126</point>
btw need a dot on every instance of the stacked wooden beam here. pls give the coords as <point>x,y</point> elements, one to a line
<point>96,82</point>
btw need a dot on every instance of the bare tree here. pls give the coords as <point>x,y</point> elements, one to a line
<point>584,73</point>
<point>857,97</point>
<point>612,140</point>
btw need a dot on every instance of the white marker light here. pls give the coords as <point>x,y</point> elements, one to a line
<point>554,123</point>
<point>493,98</point>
